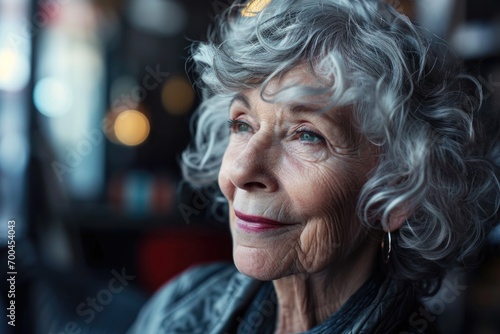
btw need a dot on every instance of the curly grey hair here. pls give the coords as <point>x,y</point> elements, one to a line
<point>412,104</point>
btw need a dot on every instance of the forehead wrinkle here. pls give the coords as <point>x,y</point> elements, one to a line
<point>335,116</point>
<point>277,111</point>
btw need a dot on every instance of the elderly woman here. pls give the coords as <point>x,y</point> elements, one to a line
<point>333,129</point>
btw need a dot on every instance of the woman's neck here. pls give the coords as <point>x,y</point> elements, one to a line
<point>306,300</point>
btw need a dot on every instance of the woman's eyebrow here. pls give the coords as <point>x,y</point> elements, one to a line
<point>242,98</point>
<point>298,108</point>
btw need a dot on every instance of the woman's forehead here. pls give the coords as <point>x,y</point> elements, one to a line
<point>300,75</point>
<point>298,89</point>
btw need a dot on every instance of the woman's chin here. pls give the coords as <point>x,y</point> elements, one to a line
<point>256,263</point>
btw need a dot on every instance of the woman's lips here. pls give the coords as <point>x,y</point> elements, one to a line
<point>251,223</point>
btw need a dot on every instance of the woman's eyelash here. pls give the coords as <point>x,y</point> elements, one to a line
<point>307,131</point>
<point>310,132</point>
<point>237,126</point>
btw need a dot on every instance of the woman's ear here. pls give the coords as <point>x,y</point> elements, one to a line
<point>397,217</point>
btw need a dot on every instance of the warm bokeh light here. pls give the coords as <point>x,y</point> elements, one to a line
<point>177,95</point>
<point>131,127</point>
<point>254,7</point>
<point>52,97</point>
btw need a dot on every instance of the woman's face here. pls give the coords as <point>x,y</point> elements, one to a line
<point>292,175</point>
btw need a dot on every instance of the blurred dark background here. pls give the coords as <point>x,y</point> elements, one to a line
<point>95,102</point>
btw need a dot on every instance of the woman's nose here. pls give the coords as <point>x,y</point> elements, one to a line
<point>253,169</point>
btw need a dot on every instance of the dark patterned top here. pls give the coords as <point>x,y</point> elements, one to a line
<point>219,299</point>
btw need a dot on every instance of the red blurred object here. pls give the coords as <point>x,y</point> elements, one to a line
<point>164,254</point>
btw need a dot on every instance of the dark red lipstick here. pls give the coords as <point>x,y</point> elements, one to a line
<point>251,223</point>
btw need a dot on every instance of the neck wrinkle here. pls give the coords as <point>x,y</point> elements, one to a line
<point>307,300</point>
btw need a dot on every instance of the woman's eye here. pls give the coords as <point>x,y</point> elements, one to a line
<point>239,126</point>
<point>310,137</point>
